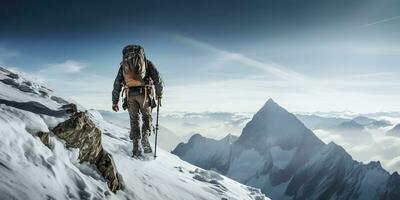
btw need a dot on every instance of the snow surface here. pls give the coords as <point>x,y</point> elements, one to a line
<point>31,170</point>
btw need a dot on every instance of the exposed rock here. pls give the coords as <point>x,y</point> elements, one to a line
<point>44,137</point>
<point>38,108</point>
<point>13,75</point>
<point>27,83</point>
<point>2,69</point>
<point>25,88</point>
<point>43,93</point>
<point>58,100</point>
<point>22,87</point>
<point>70,108</point>
<point>107,168</point>
<point>80,132</point>
<point>9,81</point>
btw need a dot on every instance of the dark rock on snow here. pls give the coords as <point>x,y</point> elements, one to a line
<point>81,133</point>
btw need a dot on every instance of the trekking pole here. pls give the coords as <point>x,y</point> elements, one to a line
<point>158,111</point>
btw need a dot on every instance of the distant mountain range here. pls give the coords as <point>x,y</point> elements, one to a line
<point>277,153</point>
<point>315,122</point>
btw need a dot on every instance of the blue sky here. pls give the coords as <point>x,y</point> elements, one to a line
<point>215,55</point>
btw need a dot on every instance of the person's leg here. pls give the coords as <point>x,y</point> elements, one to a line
<point>134,114</point>
<point>145,110</point>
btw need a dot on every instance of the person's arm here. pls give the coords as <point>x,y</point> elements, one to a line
<point>117,89</point>
<point>155,76</point>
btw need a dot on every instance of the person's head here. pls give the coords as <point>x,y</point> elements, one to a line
<point>133,56</point>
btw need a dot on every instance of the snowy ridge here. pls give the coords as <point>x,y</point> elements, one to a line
<point>31,170</point>
<point>205,152</point>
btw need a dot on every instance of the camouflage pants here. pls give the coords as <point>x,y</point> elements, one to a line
<point>140,137</point>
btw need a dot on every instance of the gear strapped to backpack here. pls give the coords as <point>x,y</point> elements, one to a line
<point>134,66</point>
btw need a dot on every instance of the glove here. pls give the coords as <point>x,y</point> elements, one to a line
<point>159,100</point>
<point>115,107</point>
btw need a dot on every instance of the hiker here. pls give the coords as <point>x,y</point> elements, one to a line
<point>137,76</point>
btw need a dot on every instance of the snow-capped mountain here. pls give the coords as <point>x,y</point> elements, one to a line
<point>206,152</point>
<point>44,155</point>
<point>278,154</point>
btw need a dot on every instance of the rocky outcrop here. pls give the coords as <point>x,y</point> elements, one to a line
<point>44,137</point>
<point>81,133</point>
<point>105,164</point>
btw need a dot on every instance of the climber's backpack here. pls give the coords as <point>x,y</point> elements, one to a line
<point>134,65</point>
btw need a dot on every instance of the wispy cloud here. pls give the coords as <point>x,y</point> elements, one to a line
<point>225,56</point>
<point>380,21</point>
<point>249,90</point>
<point>68,66</point>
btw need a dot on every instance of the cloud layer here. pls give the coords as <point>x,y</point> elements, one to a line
<point>369,145</point>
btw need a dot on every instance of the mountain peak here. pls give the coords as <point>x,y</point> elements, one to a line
<point>229,138</point>
<point>270,104</point>
<point>274,125</point>
<point>270,101</point>
<point>272,107</point>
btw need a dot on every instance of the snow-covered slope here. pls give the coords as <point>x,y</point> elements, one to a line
<point>278,154</point>
<point>31,170</point>
<point>205,152</point>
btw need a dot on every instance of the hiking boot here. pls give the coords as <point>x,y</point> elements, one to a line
<point>137,154</point>
<point>147,149</point>
<point>146,145</point>
<point>137,148</point>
